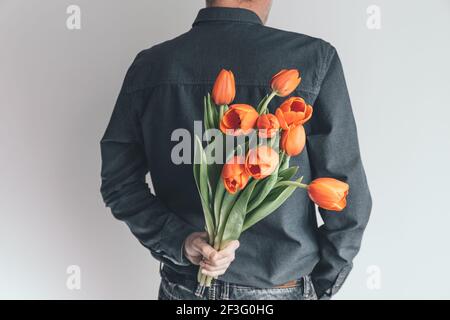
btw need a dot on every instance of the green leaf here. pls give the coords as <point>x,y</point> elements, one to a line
<point>201,180</point>
<point>213,114</point>
<point>273,201</point>
<point>288,173</point>
<point>298,183</point>
<point>285,162</point>
<point>216,111</point>
<point>218,198</point>
<point>213,168</point>
<point>236,218</point>
<point>206,121</point>
<point>227,204</point>
<point>261,191</point>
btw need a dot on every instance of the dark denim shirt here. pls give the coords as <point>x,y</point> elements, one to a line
<point>164,89</point>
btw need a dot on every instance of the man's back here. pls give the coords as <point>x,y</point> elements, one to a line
<point>164,91</point>
<point>234,39</point>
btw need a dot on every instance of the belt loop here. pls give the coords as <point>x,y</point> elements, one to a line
<point>200,290</point>
<point>224,293</point>
<point>160,268</point>
<point>305,286</point>
<point>227,291</point>
<point>212,291</point>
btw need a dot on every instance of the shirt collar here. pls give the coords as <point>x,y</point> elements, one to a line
<point>214,14</point>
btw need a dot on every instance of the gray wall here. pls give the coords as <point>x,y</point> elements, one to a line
<point>58,87</point>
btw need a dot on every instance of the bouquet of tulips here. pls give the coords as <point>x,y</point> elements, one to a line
<point>255,178</point>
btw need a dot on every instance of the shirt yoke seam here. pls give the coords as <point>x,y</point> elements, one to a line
<point>136,89</point>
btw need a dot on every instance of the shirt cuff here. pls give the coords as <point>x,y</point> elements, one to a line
<point>173,235</point>
<point>328,293</point>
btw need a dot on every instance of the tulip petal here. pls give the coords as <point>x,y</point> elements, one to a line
<point>285,82</point>
<point>231,119</point>
<point>293,111</point>
<point>248,120</point>
<point>224,89</point>
<point>292,117</point>
<point>280,116</point>
<point>298,105</point>
<point>261,162</point>
<point>293,140</point>
<point>329,193</point>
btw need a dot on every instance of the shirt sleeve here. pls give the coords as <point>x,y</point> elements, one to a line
<point>334,152</point>
<point>125,191</point>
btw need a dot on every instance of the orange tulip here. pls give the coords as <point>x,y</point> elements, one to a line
<point>234,176</point>
<point>261,162</point>
<point>328,193</point>
<point>293,111</point>
<point>293,140</point>
<point>285,82</point>
<point>239,119</point>
<point>267,125</point>
<point>224,89</point>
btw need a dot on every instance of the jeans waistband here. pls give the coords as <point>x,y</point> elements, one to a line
<point>190,281</point>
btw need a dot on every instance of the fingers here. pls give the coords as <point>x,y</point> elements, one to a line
<point>195,259</point>
<point>213,263</point>
<point>230,248</point>
<point>201,246</point>
<point>225,255</point>
<point>196,247</point>
<point>219,263</point>
<point>210,267</point>
<point>220,259</point>
<point>203,235</point>
<point>228,253</point>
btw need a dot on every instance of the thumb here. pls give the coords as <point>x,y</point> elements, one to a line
<point>231,246</point>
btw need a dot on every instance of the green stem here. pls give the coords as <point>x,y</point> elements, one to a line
<point>266,103</point>
<point>222,112</point>
<point>200,276</point>
<point>283,154</point>
<point>203,279</point>
<point>292,183</point>
<point>284,162</point>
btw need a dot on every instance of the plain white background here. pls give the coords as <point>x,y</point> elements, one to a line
<point>58,88</point>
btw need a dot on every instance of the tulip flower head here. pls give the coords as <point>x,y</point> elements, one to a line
<point>224,89</point>
<point>292,112</point>
<point>267,125</point>
<point>239,119</point>
<point>261,162</point>
<point>234,176</point>
<point>293,140</point>
<point>329,193</point>
<point>285,82</point>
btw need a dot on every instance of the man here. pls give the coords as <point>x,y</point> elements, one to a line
<point>285,256</point>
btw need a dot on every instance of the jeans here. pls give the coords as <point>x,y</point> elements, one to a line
<point>174,287</point>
